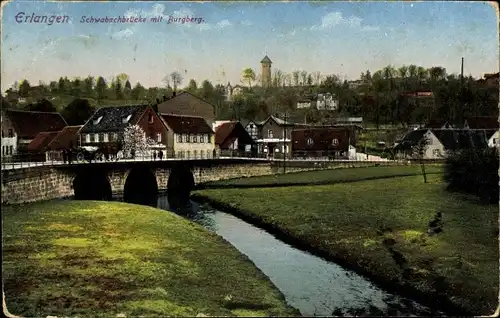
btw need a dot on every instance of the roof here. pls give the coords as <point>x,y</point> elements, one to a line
<point>277,120</point>
<point>482,122</point>
<point>28,124</point>
<point>65,138</point>
<point>223,131</point>
<point>266,59</point>
<point>320,139</point>
<point>451,139</point>
<point>41,141</point>
<point>491,75</point>
<point>187,124</point>
<point>113,118</point>
<point>437,124</point>
<point>187,107</point>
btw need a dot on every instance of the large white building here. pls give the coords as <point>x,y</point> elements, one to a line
<point>327,102</point>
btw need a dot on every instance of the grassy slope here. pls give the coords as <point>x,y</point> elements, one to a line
<point>101,258</point>
<point>343,220</point>
<point>331,176</point>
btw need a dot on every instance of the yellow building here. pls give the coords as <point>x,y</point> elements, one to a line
<point>266,71</point>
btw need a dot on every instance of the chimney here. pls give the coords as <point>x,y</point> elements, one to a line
<point>173,94</point>
<point>164,98</point>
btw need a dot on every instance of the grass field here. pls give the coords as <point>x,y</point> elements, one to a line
<point>75,258</point>
<point>330,176</point>
<point>350,221</point>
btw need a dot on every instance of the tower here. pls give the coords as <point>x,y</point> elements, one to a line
<point>266,71</point>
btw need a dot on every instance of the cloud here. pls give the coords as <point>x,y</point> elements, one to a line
<point>336,18</point>
<point>123,34</point>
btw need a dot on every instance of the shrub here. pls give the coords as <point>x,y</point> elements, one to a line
<point>473,171</point>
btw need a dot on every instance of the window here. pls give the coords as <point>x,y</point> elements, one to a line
<point>270,134</point>
<point>335,142</point>
<point>2,134</point>
<point>126,119</point>
<point>98,120</point>
<point>494,141</point>
<point>3,150</point>
<point>87,137</point>
<point>310,142</point>
<point>182,154</point>
<point>11,133</point>
<point>207,138</point>
<point>200,139</point>
<point>436,152</point>
<point>11,150</point>
<point>193,138</point>
<point>188,154</point>
<point>185,138</point>
<point>150,118</point>
<point>106,137</point>
<point>115,136</point>
<point>96,137</point>
<point>158,137</point>
<point>195,154</point>
<point>179,138</point>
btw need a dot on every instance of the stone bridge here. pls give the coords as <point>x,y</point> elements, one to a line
<point>136,180</point>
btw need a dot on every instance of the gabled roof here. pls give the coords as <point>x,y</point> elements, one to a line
<point>228,132</point>
<point>482,122</point>
<point>277,120</point>
<point>266,59</point>
<point>451,139</point>
<point>65,138</point>
<point>28,124</point>
<point>178,106</point>
<point>113,118</point>
<point>41,141</point>
<point>438,124</point>
<point>187,124</point>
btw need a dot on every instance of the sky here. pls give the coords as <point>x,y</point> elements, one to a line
<point>343,38</point>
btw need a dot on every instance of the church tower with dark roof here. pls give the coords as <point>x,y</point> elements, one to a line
<point>266,71</point>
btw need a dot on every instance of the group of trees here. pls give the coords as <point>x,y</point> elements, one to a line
<point>379,97</point>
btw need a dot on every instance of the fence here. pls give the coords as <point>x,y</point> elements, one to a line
<point>26,160</point>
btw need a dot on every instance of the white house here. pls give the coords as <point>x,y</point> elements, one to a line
<point>493,140</point>
<point>9,138</point>
<point>303,104</point>
<point>327,102</point>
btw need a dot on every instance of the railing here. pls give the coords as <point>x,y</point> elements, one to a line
<point>34,160</point>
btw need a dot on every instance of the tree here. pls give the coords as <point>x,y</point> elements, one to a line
<point>24,88</point>
<point>42,105</point>
<point>88,85</point>
<point>118,89</point>
<point>61,85</point>
<point>296,76</point>
<point>135,141</point>
<point>303,77</point>
<point>419,151</point>
<point>192,86</point>
<point>138,92</point>
<point>176,79</point>
<point>309,80</point>
<point>76,87</point>
<point>249,76</point>
<point>207,90</point>
<point>278,78</point>
<point>127,89</point>
<point>316,76</point>
<point>77,112</point>
<point>100,87</point>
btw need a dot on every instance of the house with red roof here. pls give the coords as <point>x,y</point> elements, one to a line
<point>232,136</point>
<point>20,128</point>
<point>67,138</point>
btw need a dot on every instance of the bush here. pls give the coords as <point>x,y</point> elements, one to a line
<point>473,171</point>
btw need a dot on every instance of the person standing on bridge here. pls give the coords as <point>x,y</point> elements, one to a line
<point>160,154</point>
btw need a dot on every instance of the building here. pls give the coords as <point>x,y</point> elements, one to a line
<point>275,136</point>
<point>107,125</point>
<point>232,136</point>
<point>440,142</point>
<point>266,71</point>
<point>438,124</point>
<point>482,122</point>
<point>253,128</point>
<point>187,104</point>
<point>493,140</point>
<point>322,142</point>
<point>491,80</point>
<point>20,127</point>
<point>37,147</point>
<point>326,102</point>
<point>231,91</point>
<point>304,103</point>
<point>189,136</point>
<point>67,138</point>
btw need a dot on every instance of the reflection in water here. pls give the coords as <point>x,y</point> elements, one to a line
<point>309,283</point>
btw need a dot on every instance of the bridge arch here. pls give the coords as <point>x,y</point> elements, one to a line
<point>141,187</point>
<point>179,186</point>
<point>92,184</point>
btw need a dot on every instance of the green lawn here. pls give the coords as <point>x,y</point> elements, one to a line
<point>88,258</point>
<point>350,221</point>
<point>331,175</point>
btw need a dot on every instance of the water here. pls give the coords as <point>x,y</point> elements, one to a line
<point>312,285</point>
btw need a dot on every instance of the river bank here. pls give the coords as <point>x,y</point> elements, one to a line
<point>455,271</point>
<point>90,258</point>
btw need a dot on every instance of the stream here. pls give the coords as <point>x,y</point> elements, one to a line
<point>312,285</point>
